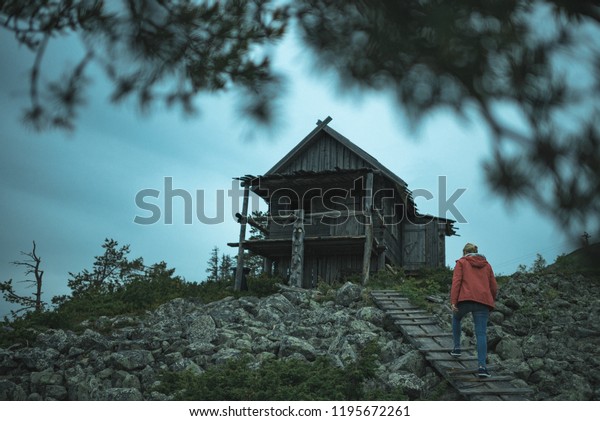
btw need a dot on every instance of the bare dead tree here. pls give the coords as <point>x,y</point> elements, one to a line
<point>32,267</point>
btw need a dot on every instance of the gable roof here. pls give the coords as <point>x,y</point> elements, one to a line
<point>322,126</point>
<point>275,174</point>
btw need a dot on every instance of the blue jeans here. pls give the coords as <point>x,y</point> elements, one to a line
<point>480,313</point>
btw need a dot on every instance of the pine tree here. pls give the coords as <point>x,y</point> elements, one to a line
<point>213,265</point>
<point>225,268</point>
<point>111,271</point>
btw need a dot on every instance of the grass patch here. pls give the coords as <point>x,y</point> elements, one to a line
<point>415,286</point>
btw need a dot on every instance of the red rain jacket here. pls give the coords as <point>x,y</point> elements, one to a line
<point>473,280</point>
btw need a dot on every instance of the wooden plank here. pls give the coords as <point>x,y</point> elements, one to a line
<point>421,323</point>
<point>467,370</point>
<point>432,335</point>
<point>444,350</point>
<point>484,380</point>
<point>429,357</point>
<point>409,317</point>
<point>394,310</point>
<point>496,391</point>
<point>399,310</point>
<point>388,300</point>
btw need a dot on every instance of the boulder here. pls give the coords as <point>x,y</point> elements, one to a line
<point>132,360</point>
<point>347,294</point>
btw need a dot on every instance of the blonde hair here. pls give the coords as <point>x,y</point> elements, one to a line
<point>470,248</point>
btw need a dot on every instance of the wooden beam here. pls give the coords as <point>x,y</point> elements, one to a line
<point>368,204</point>
<point>239,272</point>
<point>251,221</point>
<point>297,261</point>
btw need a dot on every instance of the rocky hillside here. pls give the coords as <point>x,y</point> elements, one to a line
<point>546,329</point>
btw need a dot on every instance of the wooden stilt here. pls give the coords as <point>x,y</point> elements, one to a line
<point>297,262</point>
<point>239,272</point>
<point>368,204</point>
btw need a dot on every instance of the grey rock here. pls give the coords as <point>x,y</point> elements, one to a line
<point>410,383</point>
<point>35,397</point>
<point>372,315</point>
<point>56,339</point>
<point>496,318</point>
<point>412,362</point>
<point>56,392</point>
<point>202,329</point>
<point>7,361</point>
<point>10,391</point>
<point>132,360</point>
<point>47,377</point>
<point>92,340</point>
<point>347,294</point>
<point>509,348</point>
<point>37,359</point>
<point>535,346</point>
<point>290,345</point>
<point>535,363</point>
<point>122,394</point>
<point>225,355</point>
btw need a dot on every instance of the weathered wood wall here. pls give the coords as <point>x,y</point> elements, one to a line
<point>399,242</point>
<point>325,154</point>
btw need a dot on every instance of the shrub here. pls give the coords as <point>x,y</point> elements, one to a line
<point>279,380</point>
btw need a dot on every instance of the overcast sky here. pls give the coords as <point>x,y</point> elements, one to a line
<point>69,192</point>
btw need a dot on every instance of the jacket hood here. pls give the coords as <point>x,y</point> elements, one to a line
<point>476,260</point>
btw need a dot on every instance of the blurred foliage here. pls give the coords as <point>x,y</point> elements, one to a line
<point>281,380</point>
<point>529,70</point>
<point>153,50</point>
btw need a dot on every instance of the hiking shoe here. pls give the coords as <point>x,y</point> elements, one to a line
<point>483,373</point>
<point>455,353</point>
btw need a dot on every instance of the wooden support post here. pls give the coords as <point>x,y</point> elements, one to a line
<point>268,266</point>
<point>297,261</point>
<point>368,204</point>
<point>239,272</point>
<point>381,260</point>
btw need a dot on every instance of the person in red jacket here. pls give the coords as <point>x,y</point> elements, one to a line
<point>473,291</point>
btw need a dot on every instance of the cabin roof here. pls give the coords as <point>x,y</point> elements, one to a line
<point>312,137</point>
<point>278,177</point>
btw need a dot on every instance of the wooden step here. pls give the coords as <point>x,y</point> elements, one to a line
<point>430,357</point>
<point>455,371</point>
<point>407,317</point>
<point>497,391</point>
<point>406,310</point>
<point>432,335</point>
<point>445,350</point>
<point>484,380</point>
<point>422,323</point>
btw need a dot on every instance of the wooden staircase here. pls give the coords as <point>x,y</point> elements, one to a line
<point>422,330</point>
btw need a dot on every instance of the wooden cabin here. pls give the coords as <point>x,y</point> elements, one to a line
<point>334,211</point>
